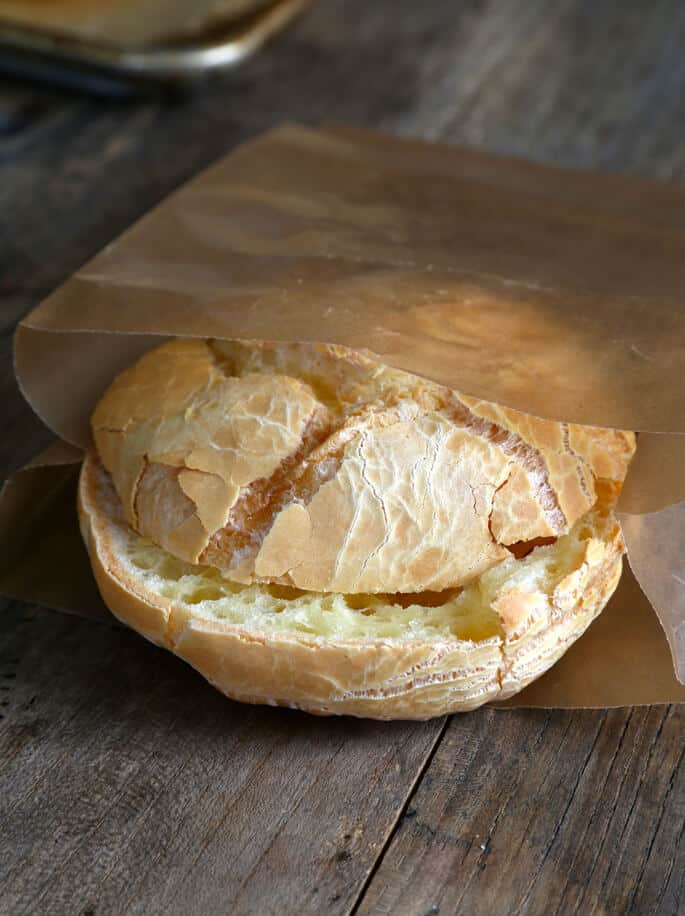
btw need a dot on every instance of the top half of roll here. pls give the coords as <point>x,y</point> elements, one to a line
<point>319,468</point>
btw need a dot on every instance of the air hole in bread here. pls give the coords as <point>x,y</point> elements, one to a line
<point>521,549</point>
<point>423,599</point>
<point>286,592</point>
<point>209,593</point>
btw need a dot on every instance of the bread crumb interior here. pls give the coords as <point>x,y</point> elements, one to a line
<point>465,614</point>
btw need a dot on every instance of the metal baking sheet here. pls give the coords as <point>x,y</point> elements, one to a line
<point>168,41</point>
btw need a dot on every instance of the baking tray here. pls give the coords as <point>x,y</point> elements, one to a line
<point>120,44</point>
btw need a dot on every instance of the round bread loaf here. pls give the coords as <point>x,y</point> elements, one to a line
<point>310,528</point>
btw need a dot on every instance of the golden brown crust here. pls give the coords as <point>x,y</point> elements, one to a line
<point>313,466</point>
<point>381,678</point>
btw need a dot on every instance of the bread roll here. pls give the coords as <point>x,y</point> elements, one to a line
<point>310,528</point>
<point>380,656</point>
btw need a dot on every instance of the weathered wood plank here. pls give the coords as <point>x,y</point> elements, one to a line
<point>129,784</point>
<point>542,812</point>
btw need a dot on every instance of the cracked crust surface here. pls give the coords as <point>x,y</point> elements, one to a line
<point>380,656</point>
<point>315,467</point>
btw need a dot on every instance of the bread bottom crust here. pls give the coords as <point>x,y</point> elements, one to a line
<point>380,678</point>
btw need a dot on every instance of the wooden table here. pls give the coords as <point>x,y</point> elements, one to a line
<point>127,783</point>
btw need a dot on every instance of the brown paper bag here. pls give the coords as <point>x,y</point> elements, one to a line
<point>554,292</point>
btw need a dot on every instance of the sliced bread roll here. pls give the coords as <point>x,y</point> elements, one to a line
<point>381,655</point>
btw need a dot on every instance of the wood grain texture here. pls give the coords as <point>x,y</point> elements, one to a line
<point>561,812</point>
<point>126,784</point>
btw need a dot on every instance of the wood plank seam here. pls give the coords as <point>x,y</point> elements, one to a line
<point>400,814</point>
